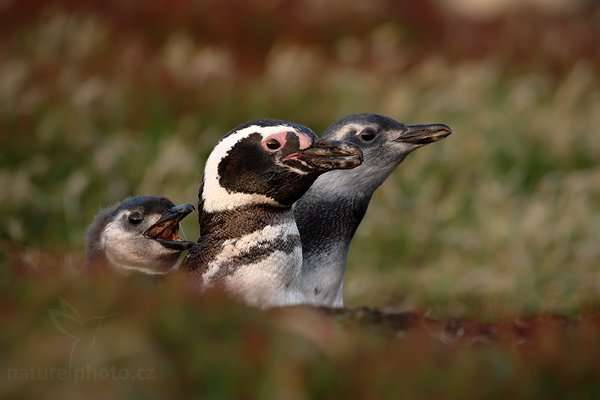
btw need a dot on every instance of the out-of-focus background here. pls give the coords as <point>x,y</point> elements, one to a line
<point>102,100</point>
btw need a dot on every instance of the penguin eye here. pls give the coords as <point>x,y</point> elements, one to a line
<point>368,135</point>
<point>273,144</point>
<point>135,218</point>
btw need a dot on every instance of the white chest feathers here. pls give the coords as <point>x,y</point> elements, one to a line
<point>323,275</point>
<point>264,267</point>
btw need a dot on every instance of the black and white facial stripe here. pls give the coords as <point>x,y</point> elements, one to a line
<point>332,209</point>
<point>249,240</point>
<point>247,166</point>
<point>139,234</point>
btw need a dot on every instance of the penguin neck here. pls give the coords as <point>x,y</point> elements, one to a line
<point>339,201</point>
<point>254,251</point>
<point>327,224</point>
<point>229,224</point>
<point>326,221</point>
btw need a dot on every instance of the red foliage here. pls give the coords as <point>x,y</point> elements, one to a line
<point>251,28</point>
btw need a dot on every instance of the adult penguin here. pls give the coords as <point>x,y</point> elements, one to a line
<point>249,240</point>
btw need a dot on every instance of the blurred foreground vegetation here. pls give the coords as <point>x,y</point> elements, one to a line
<point>72,338</point>
<point>99,102</point>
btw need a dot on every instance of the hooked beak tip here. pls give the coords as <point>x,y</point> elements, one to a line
<point>424,134</point>
<point>167,227</point>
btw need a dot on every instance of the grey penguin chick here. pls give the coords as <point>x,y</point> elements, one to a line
<point>249,242</point>
<point>332,209</point>
<point>139,234</point>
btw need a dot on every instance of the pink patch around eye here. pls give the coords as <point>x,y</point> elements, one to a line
<point>305,140</point>
<point>279,137</point>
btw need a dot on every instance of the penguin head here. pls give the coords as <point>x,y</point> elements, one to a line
<point>385,143</point>
<point>269,162</point>
<point>139,234</point>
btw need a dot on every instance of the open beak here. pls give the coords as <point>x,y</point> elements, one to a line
<point>326,155</point>
<point>424,134</point>
<point>166,229</point>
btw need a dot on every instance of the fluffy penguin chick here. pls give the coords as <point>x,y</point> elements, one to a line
<point>249,240</point>
<point>331,210</point>
<point>140,234</point>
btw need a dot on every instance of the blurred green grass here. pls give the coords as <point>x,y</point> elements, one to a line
<point>506,209</point>
<point>500,219</point>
